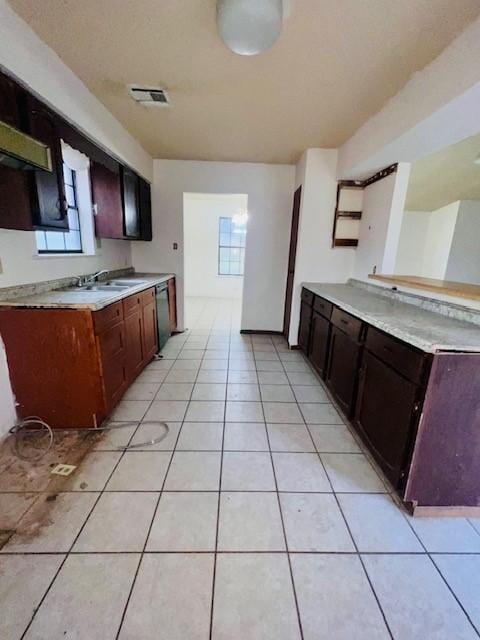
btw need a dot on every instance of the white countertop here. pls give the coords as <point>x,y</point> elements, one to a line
<point>82,299</point>
<point>426,330</point>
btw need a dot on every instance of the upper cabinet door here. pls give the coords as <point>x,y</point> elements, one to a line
<point>145,207</point>
<point>15,205</point>
<point>9,111</point>
<point>107,200</point>
<point>50,210</point>
<point>130,204</point>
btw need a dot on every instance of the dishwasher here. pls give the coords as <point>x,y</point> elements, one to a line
<point>163,315</point>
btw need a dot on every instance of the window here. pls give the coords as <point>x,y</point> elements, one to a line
<point>231,247</point>
<point>64,241</point>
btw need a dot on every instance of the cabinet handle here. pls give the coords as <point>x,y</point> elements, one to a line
<point>344,321</point>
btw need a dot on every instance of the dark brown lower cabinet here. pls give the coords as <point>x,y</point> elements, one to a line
<point>72,366</point>
<point>149,329</point>
<point>172,303</point>
<point>319,337</point>
<point>417,412</point>
<point>342,369</point>
<point>134,338</point>
<point>304,326</point>
<point>387,410</point>
<point>112,346</point>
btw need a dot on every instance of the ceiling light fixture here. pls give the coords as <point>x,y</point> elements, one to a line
<point>249,27</point>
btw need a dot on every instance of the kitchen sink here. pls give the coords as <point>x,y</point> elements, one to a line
<point>128,283</point>
<point>99,287</point>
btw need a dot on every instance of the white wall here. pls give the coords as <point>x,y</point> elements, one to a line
<point>380,227</point>
<point>22,265</point>
<point>201,236</point>
<point>437,107</point>
<point>439,240</point>
<point>269,189</point>
<point>412,244</point>
<point>316,260</point>
<point>464,259</point>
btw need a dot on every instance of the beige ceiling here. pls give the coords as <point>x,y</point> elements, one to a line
<point>335,65</point>
<point>445,176</point>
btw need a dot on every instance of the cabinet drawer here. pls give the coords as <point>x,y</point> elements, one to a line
<point>397,354</point>
<point>307,296</point>
<point>322,307</point>
<point>107,317</point>
<point>132,304</point>
<point>148,296</point>
<point>347,323</point>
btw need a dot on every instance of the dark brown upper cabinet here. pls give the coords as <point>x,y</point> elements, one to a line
<point>145,208</point>
<point>35,199</point>
<point>49,206</point>
<point>131,212</point>
<point>9,102</point>
<point>15,203</point>
<point>107,200</point>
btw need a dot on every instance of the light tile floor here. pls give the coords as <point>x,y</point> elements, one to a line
<point>259,517</point>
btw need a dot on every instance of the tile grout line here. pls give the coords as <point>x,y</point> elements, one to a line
<point>214,574</point>
<point>142,553</point>
<point>429,554</point>
<point>68,553</point>
<point>346,523</point>
<point>289,560</point>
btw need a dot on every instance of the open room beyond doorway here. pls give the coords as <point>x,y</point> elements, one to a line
<point>215,228</point>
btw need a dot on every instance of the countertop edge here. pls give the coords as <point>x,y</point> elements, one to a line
<point>92,306</point>
<point>414,341</point>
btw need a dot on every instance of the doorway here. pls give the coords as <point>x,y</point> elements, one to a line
<point>291,261</point>
<point>215,231</point>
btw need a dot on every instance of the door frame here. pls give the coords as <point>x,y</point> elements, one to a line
<point>292,255</point>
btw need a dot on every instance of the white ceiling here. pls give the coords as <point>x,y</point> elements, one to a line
<point>445,176</point>
<point>336,63</point>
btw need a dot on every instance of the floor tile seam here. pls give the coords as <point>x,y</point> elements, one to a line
<point>343,516</point>
<point>217,523</point>
<point>442,577</point>
<point>134,579</point>
<point>294,590</point>
<point>42,600</point>
<point>225,551</point>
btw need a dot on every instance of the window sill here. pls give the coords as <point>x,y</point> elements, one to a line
<point>56,256</point>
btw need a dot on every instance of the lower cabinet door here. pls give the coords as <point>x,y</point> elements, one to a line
<point>342,370</point>
<point>134,347</point>
<point>112,346</point>
<point>319,335</point>
<point>304,326</point>
<point>172,304</point>
<point>386,414</point>
<point>149,331</point>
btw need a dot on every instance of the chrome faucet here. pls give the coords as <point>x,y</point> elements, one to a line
<point>83,280</point>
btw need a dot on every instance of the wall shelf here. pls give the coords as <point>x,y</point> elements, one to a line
<point>348,213</point>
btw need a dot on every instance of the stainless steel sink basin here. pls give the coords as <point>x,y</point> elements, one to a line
<point>128,283</point>
<point>99,287</point>
<point>105,287</point>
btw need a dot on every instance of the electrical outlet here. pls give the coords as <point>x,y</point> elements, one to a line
<point>63,469</point>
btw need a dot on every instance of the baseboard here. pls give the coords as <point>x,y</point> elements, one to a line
<point>294,347</point>
<point>261,332</point>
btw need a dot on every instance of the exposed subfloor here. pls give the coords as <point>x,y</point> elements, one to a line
<point>258,517</point>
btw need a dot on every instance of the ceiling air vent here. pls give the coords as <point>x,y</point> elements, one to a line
<point>149,96</point>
